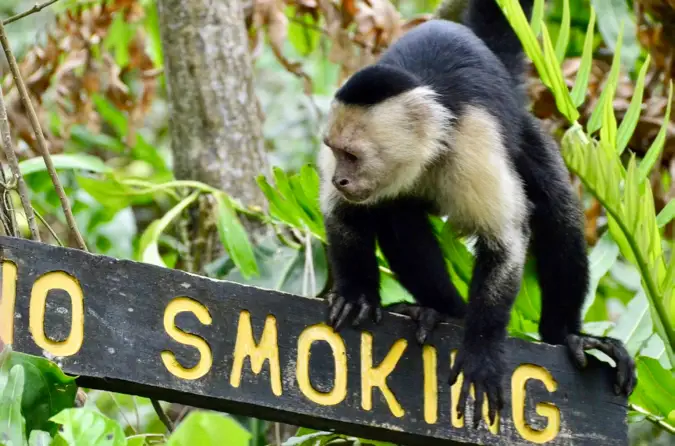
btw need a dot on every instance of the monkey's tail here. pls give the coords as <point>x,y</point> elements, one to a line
<point>488,22</point>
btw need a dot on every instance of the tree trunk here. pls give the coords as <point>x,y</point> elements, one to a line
<point>214,120</point>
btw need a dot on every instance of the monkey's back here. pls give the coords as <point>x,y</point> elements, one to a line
<point>457,64</point>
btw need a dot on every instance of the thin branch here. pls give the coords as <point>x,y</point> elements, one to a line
<point>7,208</point>
<point>14,165</point>
<point>32,10</point>
<point>162,416</point>
<point>49,228</point>
<point>42,144</point>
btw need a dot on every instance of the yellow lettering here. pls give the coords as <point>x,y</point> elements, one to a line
<point>454,399</point>
<point>519,380</point>
<point>38,299</point>
<point>7,302</point>
<point>377,376</point>
<point>430,384</point>
<point>258,353</point>
<point>308,336</point>
<point>179,305</point>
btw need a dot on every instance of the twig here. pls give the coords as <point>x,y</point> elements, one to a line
<point>8,210</point>
<point>162,416</point>
<point>14,165</point>
<point>28,106</point>
<point>49,228</point>
<point>32,10</point>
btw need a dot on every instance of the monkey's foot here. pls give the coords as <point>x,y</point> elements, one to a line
<point>427,318</point>
<point>626,379</point>
<point>340,309</point>
<point>484,368</point>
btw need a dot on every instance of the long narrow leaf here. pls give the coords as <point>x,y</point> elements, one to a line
<point>581,84</point>
<point>632,116</point>
<point>537,16</point>
<point>654,151</point>
<point>563,99</point>
<point>666,214</point>
<point>234,238</point>
<point>564,34</point>
<point>607,95</point>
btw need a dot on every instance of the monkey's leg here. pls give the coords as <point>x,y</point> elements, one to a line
<point>414,255</point>
<point>559,247</point>
<point>350,233</point>
<point>495,284</point>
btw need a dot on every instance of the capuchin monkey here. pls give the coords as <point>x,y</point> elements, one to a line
<point>440,125</point>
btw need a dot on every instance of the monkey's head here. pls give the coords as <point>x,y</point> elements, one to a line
<point>383,128</point>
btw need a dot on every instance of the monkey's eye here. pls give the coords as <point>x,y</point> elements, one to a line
<point>351,157</point>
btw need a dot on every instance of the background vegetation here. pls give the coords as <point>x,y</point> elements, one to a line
<point>96,74</point>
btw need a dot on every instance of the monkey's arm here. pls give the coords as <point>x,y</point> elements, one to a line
<point>350,233</point>
<point>495,284</point>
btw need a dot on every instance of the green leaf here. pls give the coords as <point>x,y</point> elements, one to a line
<point>564,34</point>
<point>537,16</point>
<point>39,438</point>
<point>563,100</point>
<point>615,17</point>
<point>655,149</point>
<point>635,326</point>
<point>607,96</point>
<point>119,36</point>
<point>12,423</point>
<point>209,429</point>
<point>150,254</point>
<point>392,292</point>
<point>581,84</point>
<point>601,259</point>
<point>302,32</point>
<point>666,214</point>
<point>48,390</point>
<point>87,427</point>
<point>111,114</point>
<point>655,389</point>
<point>630,120</point>
<point>146,152</point>
<point>87,140</point>
<point>76,161</point>
<point>234,237</point>
<point>528,300</point>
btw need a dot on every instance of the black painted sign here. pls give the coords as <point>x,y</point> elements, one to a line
<point>140,329</point>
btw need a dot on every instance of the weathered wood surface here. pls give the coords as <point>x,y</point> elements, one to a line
<point>140,329</point>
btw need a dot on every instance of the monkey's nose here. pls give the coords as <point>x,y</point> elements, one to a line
<point>340,183</point>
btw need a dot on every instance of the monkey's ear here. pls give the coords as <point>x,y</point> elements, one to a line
<point>428,116</point>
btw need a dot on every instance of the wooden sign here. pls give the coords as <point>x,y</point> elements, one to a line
<point>140,329</point>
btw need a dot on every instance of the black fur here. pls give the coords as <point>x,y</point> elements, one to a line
<point>481,65</point>
<point>387,82</point>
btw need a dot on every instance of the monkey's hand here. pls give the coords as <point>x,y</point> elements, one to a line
<point>626,379</point>
<point>427,318</point>
<point>484,368</point>
<point>341,306</point>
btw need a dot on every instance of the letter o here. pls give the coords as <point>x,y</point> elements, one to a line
<point>57,280</point>
<point>310,335</point>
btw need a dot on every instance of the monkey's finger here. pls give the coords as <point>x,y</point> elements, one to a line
<point>455,371</point>
<point>625,375</point>
<point>495,403</point>
<point>344,315</point>
<point>575,345</point>
<point>364,314</point>
<point>478,404</point>
<point>334,309</point>
<point>377,315</point>
<point>463,395</point>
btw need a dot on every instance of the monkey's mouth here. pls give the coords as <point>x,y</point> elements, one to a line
<point>356,198</point>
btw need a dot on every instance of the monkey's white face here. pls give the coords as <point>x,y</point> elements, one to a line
<point>380,151</point>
